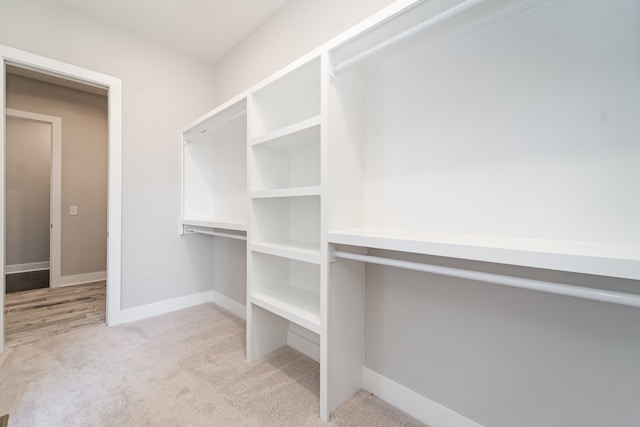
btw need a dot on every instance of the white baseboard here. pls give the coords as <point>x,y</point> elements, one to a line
<point>23,268</point>
<point>414,404</point>
<point>228,304</point>
<point>79,279</point>
<point>175,304</point>
<point>305,341</point>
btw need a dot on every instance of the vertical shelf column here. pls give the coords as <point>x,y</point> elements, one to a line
<point>286,251</point>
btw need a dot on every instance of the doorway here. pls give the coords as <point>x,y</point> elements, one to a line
<point>57,69</point>
<point>32,200</point>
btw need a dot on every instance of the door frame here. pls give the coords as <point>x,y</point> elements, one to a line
<point>41,64</point>
<point>55,184</point>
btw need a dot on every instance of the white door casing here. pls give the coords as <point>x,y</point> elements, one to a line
<point>55,184</point>
<point>49,66</point>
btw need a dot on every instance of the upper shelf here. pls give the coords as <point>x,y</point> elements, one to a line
<point>288,135</point>
<point>233,117</point>
<point>589,258</point>
<point>419,24</point>
<point>226,225</point>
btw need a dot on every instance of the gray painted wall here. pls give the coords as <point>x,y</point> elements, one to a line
<point>28,168</point>
<point>505,357</point>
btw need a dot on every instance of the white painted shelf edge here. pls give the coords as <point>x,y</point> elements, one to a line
<point>292,306</point>
<point>293,251</point>
<point>226,225</point>
<point>287,130</point>
<point>287,192</point>
<point>621,261</point>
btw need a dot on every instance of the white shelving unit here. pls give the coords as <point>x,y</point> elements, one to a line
<point>287,246</point>
<point>443,143</point>
<point>289,288</point>
<point>439,128</point>
<point>214,177</point>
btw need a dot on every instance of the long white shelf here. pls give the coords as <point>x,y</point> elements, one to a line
<point>227,225</point>
<point>299,251</point>
<point>295,305</point>
<point>287,192</point>
<point>287,130</point>
<point>621,261</point>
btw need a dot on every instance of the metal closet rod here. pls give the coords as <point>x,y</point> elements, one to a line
<point>499,279</point>
<point>449,13</point>
<point>216,233</point>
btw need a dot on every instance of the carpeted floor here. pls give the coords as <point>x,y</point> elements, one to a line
<point>181,369</point>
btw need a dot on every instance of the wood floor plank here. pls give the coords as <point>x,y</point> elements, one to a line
<point>17,302</point>
<point>34,315</point>
<point>51,314</point>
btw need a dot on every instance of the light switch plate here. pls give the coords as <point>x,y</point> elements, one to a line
<point>73,210</point>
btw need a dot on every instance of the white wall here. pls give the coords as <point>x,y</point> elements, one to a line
<point>296,28</point>
<point>163,90</point>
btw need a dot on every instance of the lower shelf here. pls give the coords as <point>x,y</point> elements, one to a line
<point>296,305</point>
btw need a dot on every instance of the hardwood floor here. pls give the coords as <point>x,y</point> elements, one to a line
<point>33,315</point>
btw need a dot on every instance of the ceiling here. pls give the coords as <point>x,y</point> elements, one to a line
<point>205,29</point>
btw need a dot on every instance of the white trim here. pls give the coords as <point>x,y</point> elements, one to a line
<point>180,303</point>
<point>2,197</point>
<point>414,404</point>
<point>114,215</point>
<point>25,268</point>
<point>55,184</point>
<point>228,304</point>
<point>79,279</point>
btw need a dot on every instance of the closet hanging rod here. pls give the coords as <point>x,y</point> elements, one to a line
<point>216,233</point>
<point>621,298</point>
<point>443,16</point>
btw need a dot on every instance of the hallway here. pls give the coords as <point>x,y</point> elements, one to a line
<point>33,315</point>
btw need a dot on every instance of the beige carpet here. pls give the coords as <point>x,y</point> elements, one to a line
<point>181,369</point>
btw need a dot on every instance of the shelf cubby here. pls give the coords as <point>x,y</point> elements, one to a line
<point>288,161</point>
<point>288,288</point>
<point>288,222</point>
<point>293,98</point>
<point>214,183</point>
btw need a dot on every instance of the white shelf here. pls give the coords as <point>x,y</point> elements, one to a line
<point>287,192</point>
<point>218,122</point>
<point>226,225</point>
<point>288,131</point>
<point>287,221</point>
<point>290,159</point>
<point>589,258</point>
<point>301,251</point>
<point>295,305</point>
